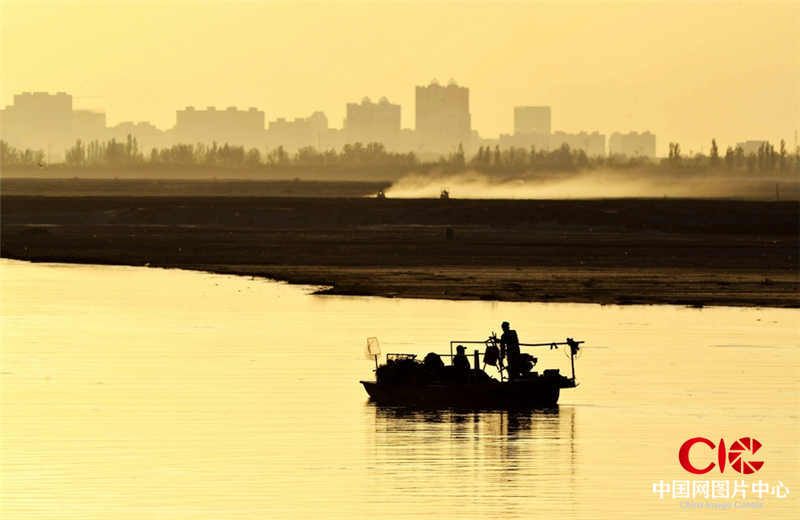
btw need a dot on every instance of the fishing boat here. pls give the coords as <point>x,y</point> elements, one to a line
<point>404,380</point>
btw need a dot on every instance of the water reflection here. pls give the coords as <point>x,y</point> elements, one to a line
<point>508,423</point>
<point>505,458</point>
<point>202,413</point>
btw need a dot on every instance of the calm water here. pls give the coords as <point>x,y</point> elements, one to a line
<point>134,393</point>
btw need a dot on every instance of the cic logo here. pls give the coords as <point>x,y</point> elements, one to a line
<point>737,455</point>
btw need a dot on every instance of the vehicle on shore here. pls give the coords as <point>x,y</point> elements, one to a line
<point>403,380</point>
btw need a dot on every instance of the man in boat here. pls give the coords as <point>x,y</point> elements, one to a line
<point>461,365</point>
<point>460,360</point>
<point>509,349</point>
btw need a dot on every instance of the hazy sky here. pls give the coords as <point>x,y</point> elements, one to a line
<point>688,71</point>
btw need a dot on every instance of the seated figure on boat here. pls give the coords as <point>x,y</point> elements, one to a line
<point>460,360</point>
<point>509,349</point>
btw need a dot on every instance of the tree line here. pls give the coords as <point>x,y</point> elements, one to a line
<point>352,157</point>
<point>766,158</point>
<point>10,156</point>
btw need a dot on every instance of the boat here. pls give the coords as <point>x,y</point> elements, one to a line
<point>403,380</point>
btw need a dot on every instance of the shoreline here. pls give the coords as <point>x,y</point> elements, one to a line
<point>600,287</point>
<point>621,251</point>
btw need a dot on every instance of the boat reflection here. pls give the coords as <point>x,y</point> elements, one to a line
<point>505,422</point>
<point>506,441</point>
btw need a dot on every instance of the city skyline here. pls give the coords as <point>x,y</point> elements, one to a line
<point>49,122</point>
<point>687,72</point>
<point>610,140</point>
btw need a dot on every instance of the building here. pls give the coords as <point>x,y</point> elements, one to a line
<point>232,126</point>
<point>88,125</point>
<point>368,122</point>
<point>531,120</point>
<point>443,120</point>
<point>632,144</point>
<point>39,121</point>
<point>299,133</point>
<point>593,144</point>
<point>531,140</point>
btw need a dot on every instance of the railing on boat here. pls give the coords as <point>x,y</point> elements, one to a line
<point>493,340</point>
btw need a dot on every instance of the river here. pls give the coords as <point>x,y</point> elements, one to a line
<point>138,393</point>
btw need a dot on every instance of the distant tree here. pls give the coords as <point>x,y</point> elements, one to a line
<point>714,154</point>
<point>772,157</point>
<point>739,158</point>
<point>797,157</point>
<point>729,158</point>
<point>478,159</point>
<point>582,160</point>
<point>752,162</point>
<point>6,157</point>
<point>459,162</point>
<point>675,154</point>
<point>76,155</point>
<point>278,157</point>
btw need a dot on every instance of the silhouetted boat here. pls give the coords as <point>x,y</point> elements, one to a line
<point>405,381</point>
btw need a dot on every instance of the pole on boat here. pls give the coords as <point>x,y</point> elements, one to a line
<point>572,361</point>
<point>476,361</point>
<point>573,348</point>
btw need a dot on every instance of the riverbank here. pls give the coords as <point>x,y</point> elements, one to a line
<point>627,251</point>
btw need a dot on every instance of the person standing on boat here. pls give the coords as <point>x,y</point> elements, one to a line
<point>509,349</point>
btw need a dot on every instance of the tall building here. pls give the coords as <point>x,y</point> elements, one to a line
<point>233,126</point>
<point>368,122</point>
<point>443,120</point>
<point>531,129</point>
<point>531,120</point>
<point>39,121</point>
<point>632,144</point>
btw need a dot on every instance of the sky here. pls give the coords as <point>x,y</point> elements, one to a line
<point>687,71</point>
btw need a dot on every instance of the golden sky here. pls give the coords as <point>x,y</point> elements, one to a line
<point>688,71</point>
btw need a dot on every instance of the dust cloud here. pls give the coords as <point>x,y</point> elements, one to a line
<point>592,184</point>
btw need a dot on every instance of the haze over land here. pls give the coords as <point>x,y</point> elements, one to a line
<point>686,71</point>
<point>604,183</point>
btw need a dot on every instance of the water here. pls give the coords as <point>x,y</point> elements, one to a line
<point>135,393</point>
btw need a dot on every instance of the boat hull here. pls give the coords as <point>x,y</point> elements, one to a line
<point>540,393</point>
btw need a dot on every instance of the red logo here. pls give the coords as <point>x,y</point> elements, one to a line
<point>735,455</point>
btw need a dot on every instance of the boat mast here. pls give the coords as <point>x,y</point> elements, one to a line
<point>572,361</point>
